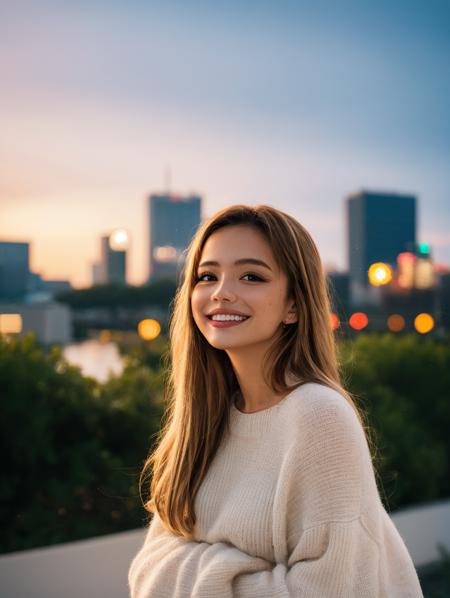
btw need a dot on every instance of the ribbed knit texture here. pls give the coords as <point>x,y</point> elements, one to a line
<point>289,507</point>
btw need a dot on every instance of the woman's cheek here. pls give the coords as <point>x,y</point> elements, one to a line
<point>196,306</point>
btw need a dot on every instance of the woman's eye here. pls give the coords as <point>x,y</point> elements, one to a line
<point>201,277</point>
<point>254,276</point>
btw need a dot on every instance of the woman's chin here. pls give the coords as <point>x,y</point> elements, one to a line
<point>224,345</point>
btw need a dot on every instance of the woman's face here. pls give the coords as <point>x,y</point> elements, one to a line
<point>256,290</point>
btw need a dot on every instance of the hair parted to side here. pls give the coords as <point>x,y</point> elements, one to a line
<point>200,380</point>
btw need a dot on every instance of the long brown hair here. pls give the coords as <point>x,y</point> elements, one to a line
<point>200,380</point>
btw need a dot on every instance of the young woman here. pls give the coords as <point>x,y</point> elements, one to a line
<point>262,481</point>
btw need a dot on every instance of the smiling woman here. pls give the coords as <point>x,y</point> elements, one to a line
<point>262,483</point>
<point>260,295</point>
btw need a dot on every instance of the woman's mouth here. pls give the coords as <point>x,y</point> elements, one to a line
<point>226,323</point>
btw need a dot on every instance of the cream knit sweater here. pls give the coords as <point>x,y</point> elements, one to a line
<point>289,507</point>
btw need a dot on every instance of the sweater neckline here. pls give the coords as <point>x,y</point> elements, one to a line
<point>257,422</point>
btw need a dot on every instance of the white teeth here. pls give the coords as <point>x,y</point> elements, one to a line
<point>224,318</point>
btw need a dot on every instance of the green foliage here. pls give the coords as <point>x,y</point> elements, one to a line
<point>404,383</point>
<point>151,354</point>
<point>72,448</point>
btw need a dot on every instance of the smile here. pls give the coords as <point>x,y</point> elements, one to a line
<point>226,323</point>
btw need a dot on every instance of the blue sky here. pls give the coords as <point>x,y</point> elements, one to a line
<point>290,103</point>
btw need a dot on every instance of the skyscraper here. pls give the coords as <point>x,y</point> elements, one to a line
<point>14,270</point>
<point>173,221</point>
<point>379,227</point>
<point>113,258</point>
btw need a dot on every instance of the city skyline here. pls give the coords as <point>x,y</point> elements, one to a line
<point>292,106</point>
<point>84,281</point>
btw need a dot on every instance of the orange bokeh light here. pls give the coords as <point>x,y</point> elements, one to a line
<point>10,323</point>
<point>423,323</point>
<point>149,329</point>
<point>395,322</point>
<point>379,274</point>
<point>334,321</point>
<point>358,320</point>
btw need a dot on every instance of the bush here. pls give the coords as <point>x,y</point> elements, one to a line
<point>405,386</point>
<point>72,449</point>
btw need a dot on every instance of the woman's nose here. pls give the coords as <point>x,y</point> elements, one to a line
<point>222,291</point>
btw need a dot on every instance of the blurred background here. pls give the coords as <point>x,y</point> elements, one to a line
<point>123,127</point>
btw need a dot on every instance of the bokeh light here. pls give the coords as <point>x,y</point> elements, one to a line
<point>165,254</point>
<point>149,329</point>
<point>119,240</point>
<point>10,323</point>
<point>396,322</point>
<point>423,323</point>
<point>379,274</point>
<point>358,320</point>
<point>424,248</point>
<point>334,321</point>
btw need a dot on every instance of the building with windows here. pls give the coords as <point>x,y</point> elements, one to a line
<point>380,226</point>
<point>49,321</point>
<point>173,221</point>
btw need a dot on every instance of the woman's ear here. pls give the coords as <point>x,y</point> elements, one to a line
<point>292,315</point>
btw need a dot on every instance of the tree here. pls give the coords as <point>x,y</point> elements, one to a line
<point>72,449</point>
<point>404,383</point>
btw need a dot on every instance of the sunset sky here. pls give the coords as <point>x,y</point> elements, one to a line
<point>290,103</point>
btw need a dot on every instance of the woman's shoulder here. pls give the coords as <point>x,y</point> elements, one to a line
<point>316,398</point>
<point>328,447</point>
<point>313,407</point>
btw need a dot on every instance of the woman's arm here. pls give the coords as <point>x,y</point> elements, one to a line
<point>171,566</point>
<point>333,559</point>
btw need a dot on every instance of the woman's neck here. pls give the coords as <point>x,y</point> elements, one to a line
<point>254,394</point>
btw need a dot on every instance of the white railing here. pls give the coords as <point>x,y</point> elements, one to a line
<point>98,567</point>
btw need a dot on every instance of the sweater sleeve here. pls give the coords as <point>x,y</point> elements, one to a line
<point>338,543</point>
<point>169,566</point>
<point>337,559</point>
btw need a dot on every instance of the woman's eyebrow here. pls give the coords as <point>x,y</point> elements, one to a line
<point>245,260</point>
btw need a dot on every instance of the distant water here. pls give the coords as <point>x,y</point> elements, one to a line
<point>95,359</point>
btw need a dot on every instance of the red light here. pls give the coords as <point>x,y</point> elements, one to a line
<point>406,257</point>
<point>358,320</point>
<point>334,321</point>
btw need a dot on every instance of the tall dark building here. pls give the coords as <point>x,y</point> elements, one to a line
<point>173,221</point>
<point>14,270</point>
<point>379,227</point>
<point>113,258</point>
